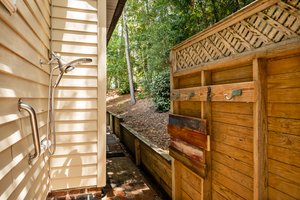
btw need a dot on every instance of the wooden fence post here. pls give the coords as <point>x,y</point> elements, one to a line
<point>206,114</point>
<point>260,127</point>
<point>137,149</point>
<point>111,123</point>
<point>107,118</point>
<point>176,180</point>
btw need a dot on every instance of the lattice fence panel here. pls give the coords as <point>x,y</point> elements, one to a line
<point>278,22</point>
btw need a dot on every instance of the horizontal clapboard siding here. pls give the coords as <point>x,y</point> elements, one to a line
<point>24,41</point>
<point>75,36</point>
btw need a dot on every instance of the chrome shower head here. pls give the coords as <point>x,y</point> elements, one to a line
<point>67,67</point>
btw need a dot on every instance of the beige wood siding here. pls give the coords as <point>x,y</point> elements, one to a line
<point>24,40</point>
<point>75,35</point>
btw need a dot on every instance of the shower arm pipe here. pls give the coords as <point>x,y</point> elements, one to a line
<point>34,127</point>
<point>50,116</point>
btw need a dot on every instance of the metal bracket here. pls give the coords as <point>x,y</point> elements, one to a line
<point>209,94</point>
<point>190,95</point>
<point>234,93</point>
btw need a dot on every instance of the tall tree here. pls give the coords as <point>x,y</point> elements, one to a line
<point>127,50</point>
<point>155,26</point>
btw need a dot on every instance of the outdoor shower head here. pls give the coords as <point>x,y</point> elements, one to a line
<point>65,67</point>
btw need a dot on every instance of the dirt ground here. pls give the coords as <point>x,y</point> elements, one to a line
<point>141,117</point>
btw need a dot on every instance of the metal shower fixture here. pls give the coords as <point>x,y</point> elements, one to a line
<point>64,67</point>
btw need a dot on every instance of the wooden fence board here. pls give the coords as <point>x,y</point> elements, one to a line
<point>234,163</point>
<point>218,93</point>
<point>284,185</point>
<point>193,137</point>
<point>240,178</point>
<point>286,171</point>
<point>233,107</point>
<point>192,123</point>
<point>196,166</point>
<point>238,189</point>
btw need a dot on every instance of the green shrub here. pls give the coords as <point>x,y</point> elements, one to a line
<point>141,95</point>
<point>123,87</point>
<point>160,91</point>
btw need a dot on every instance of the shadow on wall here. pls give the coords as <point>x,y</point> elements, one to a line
<point>71,167</point>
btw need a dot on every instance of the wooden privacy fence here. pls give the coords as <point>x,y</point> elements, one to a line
<point>155,161</point>
<point>235,119</point>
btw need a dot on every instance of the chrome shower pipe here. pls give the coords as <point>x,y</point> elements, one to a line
<point>34,128</point>
<point>63,67</point>
<point>51,147</point>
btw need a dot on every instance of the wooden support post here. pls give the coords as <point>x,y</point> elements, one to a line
<point>260,130</point>
<point>176,180</point>
<point>206,114</point>
<point>111,122</point>
<point>173,83</point>
<point>137,148</point>
<point>101,100</point>
<point>176,171</point>
<point>107,119</point>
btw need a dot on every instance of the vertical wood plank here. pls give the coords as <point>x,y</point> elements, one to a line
<point>101,169</point>
<point>173,83</point>
<point>107,119</point>
<point>176,180</point>
<point>206,79</point>
<point>260,130</point>
<point>176,172</point>
<point>137,148</point>
<point>111,122</point>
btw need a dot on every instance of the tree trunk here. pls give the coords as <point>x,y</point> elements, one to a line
<point>215,10</point>
<point>132,97</point>
<point>236,6</point>
<point>204,14</point>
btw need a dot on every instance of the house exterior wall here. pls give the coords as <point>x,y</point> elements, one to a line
<point>24,40</point>
<point>79,159</point>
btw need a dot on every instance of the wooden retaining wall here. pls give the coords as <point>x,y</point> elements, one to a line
<point>152,159</point>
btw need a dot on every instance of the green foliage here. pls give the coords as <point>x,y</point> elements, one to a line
<point>160,91</point>
<point>154,27</point>
<point>123,88</point>
<point>142,95</point>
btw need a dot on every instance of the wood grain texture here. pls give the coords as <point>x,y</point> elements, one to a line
<point>191,152</point>
<point>188,108</point>
<point>254,137</point>
<point>260,130</point>
<point>189,136</point>
<point>176,179</point>
<point>206,108</point>
<point>194,164</point>
<point>195,124</point>
<point>218,93</point>
<point>283,127</point>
